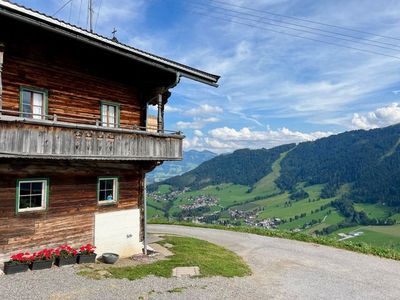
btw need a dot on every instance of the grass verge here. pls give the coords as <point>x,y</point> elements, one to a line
<point>212,260</point>
<point>360,247</point>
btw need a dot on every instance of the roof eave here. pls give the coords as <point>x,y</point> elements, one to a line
<point>38,19</point>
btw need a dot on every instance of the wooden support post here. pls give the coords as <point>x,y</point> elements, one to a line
<point>160,117</point>
<point>1,80</point>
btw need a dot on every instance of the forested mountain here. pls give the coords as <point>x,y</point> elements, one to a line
<point>191,159</point>
<point>244,167</point>
<point>345,186</point>
<point>367,160</point>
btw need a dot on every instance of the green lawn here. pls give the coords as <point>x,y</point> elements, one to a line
<point>157,204</point>
<point>331,219</point>
<point>378,236</point>
<point>377,211</point>
<point>396,217</point>
<point>154,213</point>
<point>327,219</point>
<point>275,206</point>
<point>164,189</point>
<point>212,260</point>
<point>267,184</point>
<point>373,237</point>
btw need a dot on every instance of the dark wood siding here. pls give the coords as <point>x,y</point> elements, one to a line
<point>77,76</point>
<point>72,202</point>
<point>70,93</point>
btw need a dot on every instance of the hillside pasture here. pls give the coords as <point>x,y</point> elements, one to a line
<point>373,211</point>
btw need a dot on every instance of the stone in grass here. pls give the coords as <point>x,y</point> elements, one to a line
<point>186,271</point>
<point>104,273</point>
<point>168,245</point>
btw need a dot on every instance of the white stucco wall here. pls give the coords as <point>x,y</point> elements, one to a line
<point>118,232</point>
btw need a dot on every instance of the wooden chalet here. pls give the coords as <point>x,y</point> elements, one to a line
<point>74,141</point>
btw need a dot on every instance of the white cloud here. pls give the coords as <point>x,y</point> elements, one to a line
<point>170,109</point>
<point>198,133</point>
<point>271,137</point>
<point>197,123</point>
<point>227,139</point>
<point>205,109</point>
<point>383,116</point>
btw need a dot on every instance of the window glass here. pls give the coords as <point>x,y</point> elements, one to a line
<point>24,188</point>
<point>26,103</point>
<point>33,105</point>
<point>109,115</point>
<point>24,202</point>
<point>107,190</point>
<point>32,195</point>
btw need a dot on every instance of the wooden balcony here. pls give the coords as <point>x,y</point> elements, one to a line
<point>50,138</point>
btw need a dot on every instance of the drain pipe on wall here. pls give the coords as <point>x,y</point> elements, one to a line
<point>145,215</point>
<point>177,79</point>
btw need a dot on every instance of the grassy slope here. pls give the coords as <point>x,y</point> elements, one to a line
<point>213,260</point>
<point>381,236</point>
<point>378,211</point>
<point>229,194</point>
<point>274,206</point>
<point>267,184</point>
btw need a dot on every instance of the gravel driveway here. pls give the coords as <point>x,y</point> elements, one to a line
<point>286,269</point>
<point>282,270</point>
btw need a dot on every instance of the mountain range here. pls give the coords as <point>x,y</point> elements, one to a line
<point>191,159</point>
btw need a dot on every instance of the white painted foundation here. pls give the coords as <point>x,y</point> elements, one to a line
<point>118,232</point>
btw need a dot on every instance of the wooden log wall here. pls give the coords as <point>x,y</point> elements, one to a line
<point>70,94</point>
<point>72,202</point>
<point>77,76</point>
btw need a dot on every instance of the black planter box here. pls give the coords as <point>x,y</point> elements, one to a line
<point>64,261</point>
<point>41,264</point>
<point>87,258</point>
<point>12,268</point>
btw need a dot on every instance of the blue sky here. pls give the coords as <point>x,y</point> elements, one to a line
<point>275,88</point>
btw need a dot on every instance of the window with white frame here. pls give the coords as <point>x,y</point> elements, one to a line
<point>109,114</point>
<point>33,103</point>
<point>107,190</point>
<point>32,195</point>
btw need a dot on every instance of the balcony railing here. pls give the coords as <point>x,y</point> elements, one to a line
<point>59,137</point>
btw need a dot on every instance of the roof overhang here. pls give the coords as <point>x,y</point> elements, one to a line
<point>39,19</point>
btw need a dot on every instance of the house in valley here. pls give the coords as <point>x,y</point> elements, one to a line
<point>74,141</point>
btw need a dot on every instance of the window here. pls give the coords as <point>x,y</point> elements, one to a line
<point>33,103</point>
<point>107,190</point>
<point>32,194</point>
<point>109,114</point>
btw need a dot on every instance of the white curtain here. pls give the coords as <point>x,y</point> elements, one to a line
<point>37,106</point>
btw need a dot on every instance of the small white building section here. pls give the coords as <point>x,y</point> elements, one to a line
<point>118,232</point>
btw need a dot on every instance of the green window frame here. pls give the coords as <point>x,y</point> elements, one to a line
<point>24,91</point>
<point>106,114</point>
<point>22,196</point>
<point>103,190</point>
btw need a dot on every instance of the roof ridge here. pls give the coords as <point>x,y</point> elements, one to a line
<point>101,38</point>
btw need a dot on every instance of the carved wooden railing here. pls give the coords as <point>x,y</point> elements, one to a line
<point>54,139</point>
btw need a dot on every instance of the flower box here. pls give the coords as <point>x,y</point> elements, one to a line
<point>41,264</point>
<point>87,258</point>
<point>64,261</point>
<point>13,268</point>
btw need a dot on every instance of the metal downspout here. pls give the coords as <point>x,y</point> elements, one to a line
<point>174,84</point>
